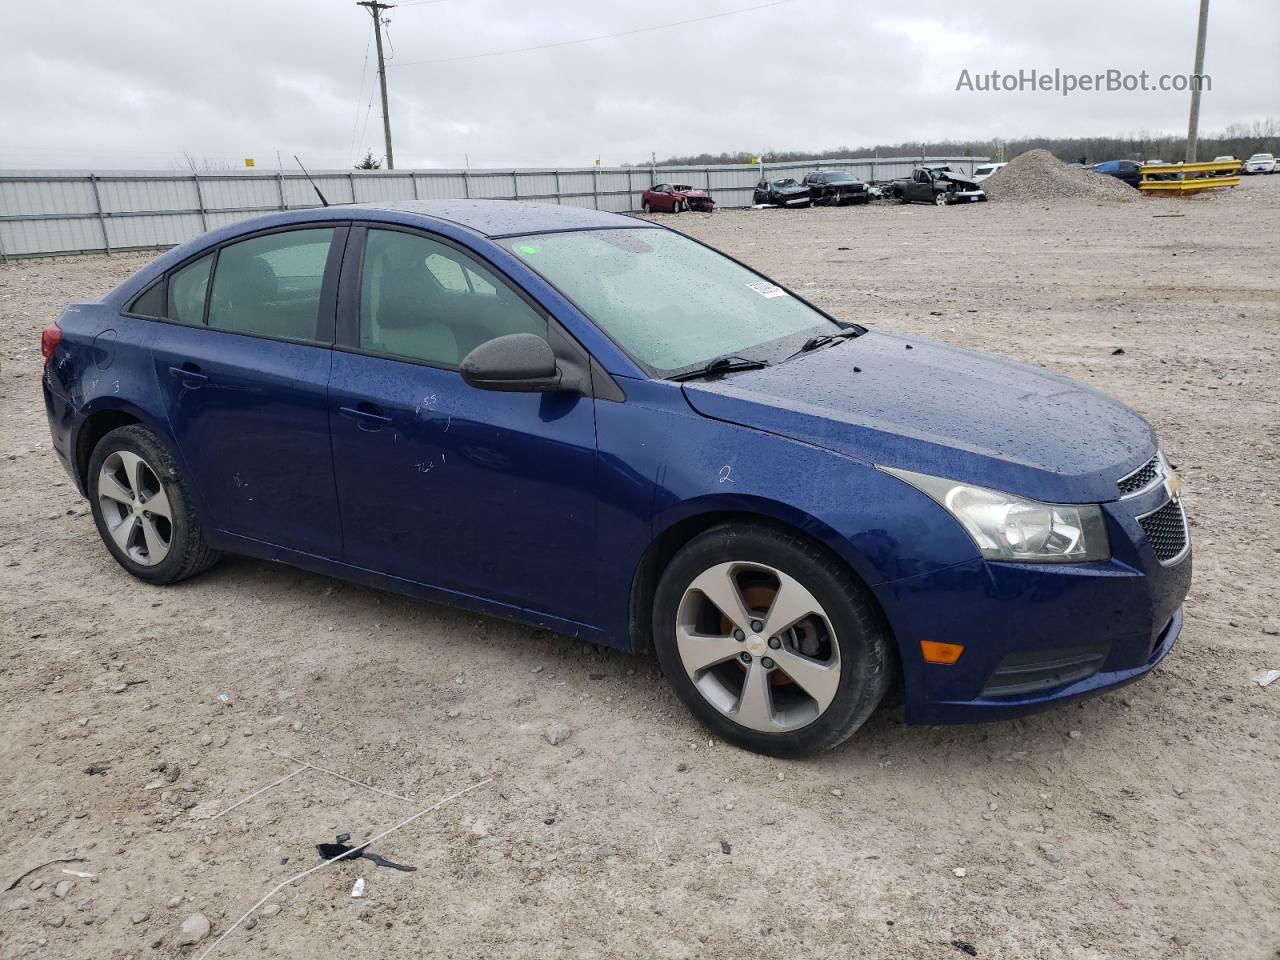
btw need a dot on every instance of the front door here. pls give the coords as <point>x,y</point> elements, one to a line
<point>482,493</point>
<point>244,369</point>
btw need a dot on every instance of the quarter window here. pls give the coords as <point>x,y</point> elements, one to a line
<point>270,285</point>
<point>187,288</point>
<point>150,303</point>
<point>424,300</point>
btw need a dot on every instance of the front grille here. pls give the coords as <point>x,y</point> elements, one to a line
<point>1141,478</point>
<point>1166,530</point>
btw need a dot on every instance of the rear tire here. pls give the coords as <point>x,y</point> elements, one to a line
<point>133,482</point>
<point>819,676</point>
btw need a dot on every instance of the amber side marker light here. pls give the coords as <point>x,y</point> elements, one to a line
<point>944,653</point>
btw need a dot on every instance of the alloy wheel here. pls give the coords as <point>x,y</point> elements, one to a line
<point>758,646</point>
<point>135,508</point>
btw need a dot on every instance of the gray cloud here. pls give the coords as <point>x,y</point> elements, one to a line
<point>138,84</point>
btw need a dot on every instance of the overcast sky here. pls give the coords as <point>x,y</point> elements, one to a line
<point>129,83</point>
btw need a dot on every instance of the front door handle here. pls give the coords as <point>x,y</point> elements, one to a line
<point>189,374</point>
<point>367,416</point>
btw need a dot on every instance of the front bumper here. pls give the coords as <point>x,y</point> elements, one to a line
<point>840,198</point>
<point>1036,635</point>
<point>968,196</point>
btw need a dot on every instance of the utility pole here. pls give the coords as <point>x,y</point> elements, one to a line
<point>1194,123</point>
<point>375,9</point>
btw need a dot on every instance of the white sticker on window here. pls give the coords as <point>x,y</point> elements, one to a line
<point>767,289</point>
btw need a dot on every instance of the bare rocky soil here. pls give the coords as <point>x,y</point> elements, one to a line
<point>1140,824</point>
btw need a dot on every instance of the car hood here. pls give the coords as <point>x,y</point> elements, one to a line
<point>961,178</point>
<point>942,410</point>
<point>795,188</point>
<point>696,194</point>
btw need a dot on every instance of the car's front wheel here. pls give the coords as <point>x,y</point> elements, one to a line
<point>142,508</point>
<point>942,198</point>
<point>769,640</point>
<point>646,207</point>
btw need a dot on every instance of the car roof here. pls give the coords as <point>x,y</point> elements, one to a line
<point>495,218</point>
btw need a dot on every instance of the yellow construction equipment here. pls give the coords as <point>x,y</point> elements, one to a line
<point>1185,178</point>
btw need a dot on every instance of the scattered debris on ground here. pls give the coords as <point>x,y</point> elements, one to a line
<point>340,849</point>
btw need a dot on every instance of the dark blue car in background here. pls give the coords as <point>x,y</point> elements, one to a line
<point>600,426</point>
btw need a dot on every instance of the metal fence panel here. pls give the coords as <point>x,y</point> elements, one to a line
<point>52,212</point>
<point>50,236</point>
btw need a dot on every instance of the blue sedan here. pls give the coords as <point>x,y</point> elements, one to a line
<point>599,426</point>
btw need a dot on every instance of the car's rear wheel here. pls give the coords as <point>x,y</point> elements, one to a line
<point>142,508</point>
<point>769,640</point>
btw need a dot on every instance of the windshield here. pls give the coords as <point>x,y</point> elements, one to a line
<point>784,183</point>
<point>671,303</point>
<point>839,178</point>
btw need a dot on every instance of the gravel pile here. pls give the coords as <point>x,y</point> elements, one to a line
<point>1038,175</point>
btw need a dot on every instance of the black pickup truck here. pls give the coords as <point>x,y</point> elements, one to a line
<point>939,185</point>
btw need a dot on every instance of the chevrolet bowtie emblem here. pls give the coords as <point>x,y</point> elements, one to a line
<point>1173,484</point>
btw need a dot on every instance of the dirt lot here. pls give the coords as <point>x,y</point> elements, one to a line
<point>1141,824</point>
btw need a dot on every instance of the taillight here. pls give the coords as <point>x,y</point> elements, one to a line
<point>50,337</point>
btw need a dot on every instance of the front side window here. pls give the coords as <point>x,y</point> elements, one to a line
<point>670,302</point>
<point>269,286</point>
<point>424,300</point>
<point>187,288</point>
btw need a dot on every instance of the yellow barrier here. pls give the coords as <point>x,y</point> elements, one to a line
<point>1182,178</point>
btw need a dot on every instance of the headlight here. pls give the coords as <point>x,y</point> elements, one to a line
<point>1010,528</point>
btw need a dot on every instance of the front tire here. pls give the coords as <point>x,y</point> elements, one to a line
<point>814,660</point>
<point>646,207</point>
<point>142,508</point>
<point>941,199</point>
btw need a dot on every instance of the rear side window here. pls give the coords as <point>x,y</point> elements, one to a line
<point>187,289</point>
<point>150,303</point>
<point>424,300</point>
<point>270,285</point>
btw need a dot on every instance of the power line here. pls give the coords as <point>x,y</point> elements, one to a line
<point>603,36</point>
<point>364,69</point>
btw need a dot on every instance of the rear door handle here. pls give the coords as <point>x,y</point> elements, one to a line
<point>366,416</point>
<point>189,374</point>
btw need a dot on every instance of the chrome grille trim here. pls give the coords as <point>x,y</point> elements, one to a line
<point>1144,478</point>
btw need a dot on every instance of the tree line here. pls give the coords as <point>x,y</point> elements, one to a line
<point>1239,140</point>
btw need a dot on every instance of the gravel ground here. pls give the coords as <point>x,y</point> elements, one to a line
<point>1038,175</point>
<point>1139,824</point>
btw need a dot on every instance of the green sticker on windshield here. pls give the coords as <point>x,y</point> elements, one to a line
<point>526,249</point>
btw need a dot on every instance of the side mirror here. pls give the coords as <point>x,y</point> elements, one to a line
<point>516,363</point>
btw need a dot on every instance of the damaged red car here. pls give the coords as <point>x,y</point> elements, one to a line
<point>675,198</point>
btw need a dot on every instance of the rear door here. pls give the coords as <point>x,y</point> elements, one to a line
<point>478,492</point>
<point>244,368</point>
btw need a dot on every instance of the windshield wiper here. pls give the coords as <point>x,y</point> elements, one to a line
<point>721,365</point>
<point>813,343</point>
